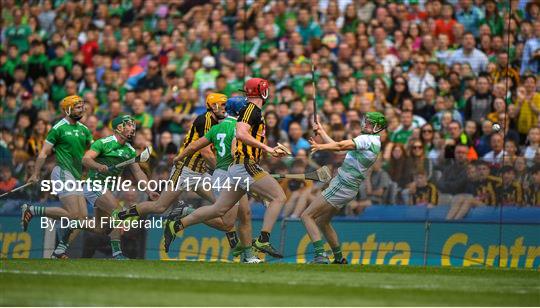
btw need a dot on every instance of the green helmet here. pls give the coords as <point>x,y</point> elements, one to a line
<point>121,120</point>
<point>378,120</point>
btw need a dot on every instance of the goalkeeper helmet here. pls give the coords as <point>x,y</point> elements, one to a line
<point>377,120</point>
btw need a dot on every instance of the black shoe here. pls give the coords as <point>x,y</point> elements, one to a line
<point>26,216</point>
<point>342,261</point>
<point>267,249</point>
<point>168,234</point>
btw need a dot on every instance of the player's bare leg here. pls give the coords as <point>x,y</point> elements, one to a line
<point>226,200</point>
<point>330,234</point>
<point>457,203</point>
<point>268,188</point>
<point>105,205</point>
<point>318,209</point>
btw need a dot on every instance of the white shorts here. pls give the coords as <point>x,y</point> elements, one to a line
<point>59,174</point>
<point>338,194</point>
<point>185,179</point>
<point>91,196</point>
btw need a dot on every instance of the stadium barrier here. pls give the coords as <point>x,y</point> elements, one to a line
<point>393,235</point>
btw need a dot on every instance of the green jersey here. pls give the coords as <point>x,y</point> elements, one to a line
<point>222,136</point>
<point>110,152</point>
<point>70,141</point>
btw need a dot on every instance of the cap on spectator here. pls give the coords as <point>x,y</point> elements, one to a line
<point>209,62</point>
<point>26,95</point>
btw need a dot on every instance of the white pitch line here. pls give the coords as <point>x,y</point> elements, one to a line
<point>530,289</point>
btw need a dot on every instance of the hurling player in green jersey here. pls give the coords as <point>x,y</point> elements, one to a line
<point>69,139</point>
<point>223,136</point>
<point>105,152</point>
<point>363,151</point>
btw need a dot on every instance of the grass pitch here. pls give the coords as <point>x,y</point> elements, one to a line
<point>87,282</point>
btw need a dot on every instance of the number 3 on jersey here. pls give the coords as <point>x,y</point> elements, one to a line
<point>221,137</point>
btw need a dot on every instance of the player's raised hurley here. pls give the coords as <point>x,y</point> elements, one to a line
<point>322,175</point>
<point>143,157</point>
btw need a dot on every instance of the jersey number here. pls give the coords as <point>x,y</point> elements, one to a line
<point>221,138</point>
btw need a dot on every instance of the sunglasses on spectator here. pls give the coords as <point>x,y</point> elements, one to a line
<point>416,147</point>
<point>427,131</point>
<point>420,62</point>
<point>400,83</point>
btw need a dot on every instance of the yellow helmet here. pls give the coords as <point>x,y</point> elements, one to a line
<point>69,102</point>
<point>215,99</point>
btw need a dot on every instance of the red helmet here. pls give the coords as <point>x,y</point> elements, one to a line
<point>257,87</point>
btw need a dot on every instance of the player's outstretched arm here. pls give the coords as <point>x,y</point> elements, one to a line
<point>209,157</point>
<point>242,134</point>
<point>40,161</point>
<point>192,148</point>
<point>319,130</point>
<point>89,161</point>
<point>344,145</point>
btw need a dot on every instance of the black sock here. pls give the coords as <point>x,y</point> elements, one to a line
<point>178,226</point>
<point>264,237</point>
<point>232,237</point>
<point>128,213</point>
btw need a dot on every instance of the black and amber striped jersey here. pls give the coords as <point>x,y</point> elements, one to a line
<point>484,190</point>
<point>198,129</point>
<point>426,195</point>
<point>510,194</point>
<point>533,195</point>
<point>252,115</point>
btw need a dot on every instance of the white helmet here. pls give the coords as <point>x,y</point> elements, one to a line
<point>209,62</point>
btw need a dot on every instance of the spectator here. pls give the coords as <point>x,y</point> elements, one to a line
<point>530,62</point>
<point>495,156</point>
<point>423,192</point>
<point>533,139</point>
<point>480,104</point>
<point>273,133</point>
<point>470,55</point>
<point>528,105</point>
<point>398,92</point>
<point>405,129</point>
<point>469,16</point>
<point>419,78</point>
<point>141,117</point>
<point>7,181</point>
<point>509,192</point>
<point>297,142</point>
<point>152,78</point>
<point>454,175</point>
<point>533,190</point>
<point>397,166</point>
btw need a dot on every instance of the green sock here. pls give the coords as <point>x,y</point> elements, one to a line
<point>116,249</point>
<point>338,255</point>
<point>318,246</point>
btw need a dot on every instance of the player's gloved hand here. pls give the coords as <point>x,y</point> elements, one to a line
<point>153,195</point>
<point>33,178</point>
<point>103,168</point>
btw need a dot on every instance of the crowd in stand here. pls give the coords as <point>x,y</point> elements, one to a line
<point>442,72</point>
